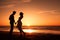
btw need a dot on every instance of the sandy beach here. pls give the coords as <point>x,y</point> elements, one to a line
<point>32,36</point>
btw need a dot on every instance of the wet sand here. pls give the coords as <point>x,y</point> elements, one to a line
<point>28,36</point>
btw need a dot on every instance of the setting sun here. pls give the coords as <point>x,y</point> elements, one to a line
<point>27,24</point>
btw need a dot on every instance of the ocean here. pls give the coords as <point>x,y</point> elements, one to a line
<point>35,29</point>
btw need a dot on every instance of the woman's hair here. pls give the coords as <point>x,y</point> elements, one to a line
<point>21,13</point>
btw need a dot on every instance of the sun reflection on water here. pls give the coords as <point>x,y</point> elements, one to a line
<point>29,30</point>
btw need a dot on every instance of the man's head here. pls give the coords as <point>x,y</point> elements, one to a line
<point>14,12</point>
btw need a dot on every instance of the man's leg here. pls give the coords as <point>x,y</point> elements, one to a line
<point>11,29</point>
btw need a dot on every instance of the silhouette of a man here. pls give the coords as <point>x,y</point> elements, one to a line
<point>12,21</point>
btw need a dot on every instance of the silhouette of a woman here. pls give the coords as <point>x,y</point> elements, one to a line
<point>19,23</point>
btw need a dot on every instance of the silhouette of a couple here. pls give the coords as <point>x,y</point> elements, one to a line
<point>19,22</point>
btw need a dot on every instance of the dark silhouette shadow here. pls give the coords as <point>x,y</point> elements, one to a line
<point>41,36</point>
<point>23,38</point>
<point>11,18</point>
<point>19,24</point>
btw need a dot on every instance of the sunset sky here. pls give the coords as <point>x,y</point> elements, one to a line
<point>36,12</point>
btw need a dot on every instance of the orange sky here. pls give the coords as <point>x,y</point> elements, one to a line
<point>36,12</point>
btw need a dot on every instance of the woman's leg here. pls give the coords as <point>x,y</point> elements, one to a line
<point>21,31</point>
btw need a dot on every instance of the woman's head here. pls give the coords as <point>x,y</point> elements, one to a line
<point>21,13</point>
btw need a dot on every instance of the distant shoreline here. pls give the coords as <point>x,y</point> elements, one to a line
<point>40,26</point>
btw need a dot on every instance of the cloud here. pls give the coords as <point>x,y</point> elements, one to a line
<point>26,0</point>
<point>7,6</point>
<point>8,3</point>
<point>47,11</point>
<point>50,12</point>
<point>11,3</point>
